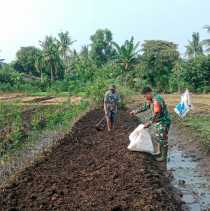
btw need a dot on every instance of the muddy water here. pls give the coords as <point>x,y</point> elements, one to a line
<point>187,177</point>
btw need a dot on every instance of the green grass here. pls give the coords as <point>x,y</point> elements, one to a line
<point>57,118</point>
<point>48,118</point>
<point>43,94</point>
<point>38,94</point>
<point>201,125</point>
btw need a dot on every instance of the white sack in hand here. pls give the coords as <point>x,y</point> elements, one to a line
<point>140,140</point>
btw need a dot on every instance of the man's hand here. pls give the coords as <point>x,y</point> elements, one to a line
<point>146,124</point>
<point>132,113</point>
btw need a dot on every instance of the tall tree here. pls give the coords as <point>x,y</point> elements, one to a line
<point>158,60</point>
<point>51,56</point>
<point>25,60</point>
<point>101,47</point>
<point>196,72</point>
<point>65,41</point>
<point>194,47</point>
<point>176,78</point>
<point>39,64</point>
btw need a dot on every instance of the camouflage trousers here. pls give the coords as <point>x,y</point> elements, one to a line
<point>161,141</point>
<point>161,133</point>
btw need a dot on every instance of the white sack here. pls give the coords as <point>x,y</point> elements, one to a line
<point>185,104</point>
<point>187,98</point>
<point>140,140</point>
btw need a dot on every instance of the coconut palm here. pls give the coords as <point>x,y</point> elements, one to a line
<point>194,47</point>
<point>51,55</point>
<point>39,64</point>
<point>64,43</point>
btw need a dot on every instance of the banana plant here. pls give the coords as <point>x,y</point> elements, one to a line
<point>126,55</point>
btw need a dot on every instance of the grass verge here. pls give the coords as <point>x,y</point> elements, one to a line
<point>20,152</point>
<point>198,125</point>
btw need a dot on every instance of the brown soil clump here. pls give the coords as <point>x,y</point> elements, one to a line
<point>92,170</point>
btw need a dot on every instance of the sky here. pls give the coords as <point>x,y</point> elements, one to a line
<point>25,22</point>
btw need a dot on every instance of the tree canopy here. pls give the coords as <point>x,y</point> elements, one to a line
<point>101,47</point>
<point>25,60</point>
<point>57,65</point>
<point>158,59</point>
<point>194,47</point>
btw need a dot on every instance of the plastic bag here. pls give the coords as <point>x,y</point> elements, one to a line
<point>185,105</point>
<point>140,140</point>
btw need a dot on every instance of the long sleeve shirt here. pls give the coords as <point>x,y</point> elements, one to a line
<point>163,116</point>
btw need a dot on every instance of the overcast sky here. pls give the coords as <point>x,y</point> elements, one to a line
<point>25,22</point>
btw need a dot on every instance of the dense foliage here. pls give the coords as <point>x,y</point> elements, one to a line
<point>56,66</point>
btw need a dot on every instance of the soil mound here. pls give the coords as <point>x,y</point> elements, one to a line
<point>92,170</point>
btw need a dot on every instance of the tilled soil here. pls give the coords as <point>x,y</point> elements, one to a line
<point>92,170</point>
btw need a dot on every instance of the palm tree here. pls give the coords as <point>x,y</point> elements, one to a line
<point>206,42</point>
<point>64,43</point>
<point>126,54</point>
<point>39,64</point>
<point>51,55</point>
<point>194,47</point>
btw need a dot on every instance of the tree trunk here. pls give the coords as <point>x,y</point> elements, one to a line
<point>179,89</point>
<point>65,65</point>
<point>126,66</point>
<point>51,74</point>
<point>126,79</point>
<point>41,75</point>
<point>56,73</point>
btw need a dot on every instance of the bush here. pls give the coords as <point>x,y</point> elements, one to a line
<point>97,89</point>
<point>206,89</point>
<point>9,76</point>
<point>59,86</point>
<point>196,72</point>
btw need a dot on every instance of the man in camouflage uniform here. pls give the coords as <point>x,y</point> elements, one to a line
<point>111,100</point>
<point>160,119</point>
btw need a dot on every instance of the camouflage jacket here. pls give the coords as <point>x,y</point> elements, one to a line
<point>162,117</point>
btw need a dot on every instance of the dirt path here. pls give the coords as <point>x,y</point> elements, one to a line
<point>92,170</point>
